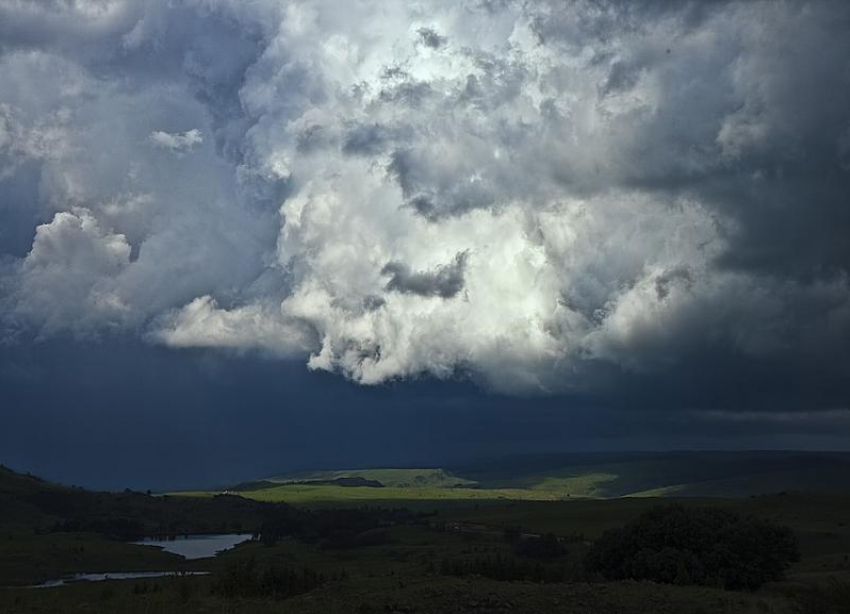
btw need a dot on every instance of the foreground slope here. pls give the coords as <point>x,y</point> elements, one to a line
<point>397,564</point>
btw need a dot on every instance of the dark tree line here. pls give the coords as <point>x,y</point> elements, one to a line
<point>337,529</point>
<point>704,546</point>
<point>128,515</point>
<point>119,528</point>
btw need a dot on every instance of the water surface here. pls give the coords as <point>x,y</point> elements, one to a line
<point>188,546</point>
<point>117,575</point>
<point>197,546</point>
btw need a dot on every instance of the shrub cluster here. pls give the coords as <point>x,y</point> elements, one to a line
<point>342,528</point>
<point>546,547</point>
<point>704,546</point>
<point>503,568</point>
<point>244,578</point>
<point>115,527</point>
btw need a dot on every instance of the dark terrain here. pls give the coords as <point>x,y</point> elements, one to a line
<point>444,555</point>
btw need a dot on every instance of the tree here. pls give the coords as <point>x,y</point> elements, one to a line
<point>706,546</point>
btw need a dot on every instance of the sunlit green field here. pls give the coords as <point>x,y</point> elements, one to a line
<point>301,494</point>
<point>429,477</point>
<point>417,486</point>
<point>553,478</point>
<point>735,476</point>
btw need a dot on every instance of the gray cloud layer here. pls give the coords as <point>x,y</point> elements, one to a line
<point>547,197</point>
<point>445,281</point>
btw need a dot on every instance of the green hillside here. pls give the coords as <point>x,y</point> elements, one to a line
<point>712,473</point>
<point>570,476</point>
<point>391,478</point>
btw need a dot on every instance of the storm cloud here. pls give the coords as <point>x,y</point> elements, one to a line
<point>542,197</point>
<point>445,281</point>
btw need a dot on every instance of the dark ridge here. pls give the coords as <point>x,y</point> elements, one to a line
<point>30,503</point>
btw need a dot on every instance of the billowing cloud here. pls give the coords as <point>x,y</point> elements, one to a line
<point>179,143</point>
<point>202,323</point>
<point>66,281</point>
<point>545,197</point>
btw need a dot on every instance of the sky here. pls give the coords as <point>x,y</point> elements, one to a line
<point>243,237</point>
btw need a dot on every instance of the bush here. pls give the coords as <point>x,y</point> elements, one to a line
<point>543,547</point>
<point>502,568</point>
<point>244,578</point>
<point>345,528</point>
<point>832,597</point>
<point>712,547</point>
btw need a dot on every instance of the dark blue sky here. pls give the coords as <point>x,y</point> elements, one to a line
<point>116,414</point>
<point>238,238</point>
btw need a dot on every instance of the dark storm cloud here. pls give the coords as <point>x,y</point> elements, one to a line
<point>430,38</point>
<point>365,140</point>
<point>406,92</point>
<point>664,280</point>
<point>621,77</point>
<point>655,193</point>
<point>372,139</point>
<point>437,188</point>
<point>444,281</point>
<point>762,145</point>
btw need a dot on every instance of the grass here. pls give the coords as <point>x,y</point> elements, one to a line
<point>554,477</point>
<point>330,495</point>
<point>394,577</point>
<point>590,485</point>
<point>398,574</point>
<point>393,477</point>
<point>379,594</point>
<point>31,559</point>
<point>715,474</point>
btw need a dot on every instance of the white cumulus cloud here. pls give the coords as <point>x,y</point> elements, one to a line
<point>540,196</point>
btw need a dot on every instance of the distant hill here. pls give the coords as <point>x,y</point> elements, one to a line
<point>28,503</point>
<point>576,475</point>
<point>19,494</point>
<point>677,473</point>
<point>13,483</point>
<point>391,478</point>
<point>348,481</point>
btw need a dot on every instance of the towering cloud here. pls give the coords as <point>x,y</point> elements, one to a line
<point>547,197</point>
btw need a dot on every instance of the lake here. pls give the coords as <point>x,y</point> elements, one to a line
<point>197,546</point>
<point>188,546</point>
<point>118,575</point>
